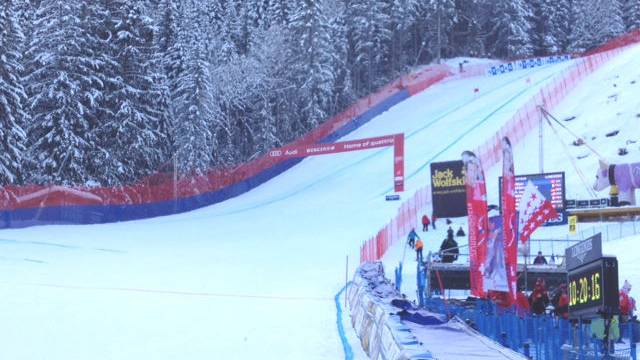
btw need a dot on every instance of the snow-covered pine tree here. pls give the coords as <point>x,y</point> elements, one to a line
<point>467,37</point>
<point>313,73</point>
<point>133,137</point>
<point>400,26</point>
<point>595,23</point>
<point>561,23</point>
<point>12,96</point>
<point>509,28</point>
<point>438,18</point>
<point>63,86</point>
<point>543,32</point>
<point>343,90</point>
<point>277,12</point>
<point>369,25</point>
<point>631,12</point>
<point>195,109</point>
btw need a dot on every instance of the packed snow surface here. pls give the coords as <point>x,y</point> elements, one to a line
<point>253,277</point>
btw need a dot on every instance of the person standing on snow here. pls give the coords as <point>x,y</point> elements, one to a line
<point>425,223</point>
<point>419,246</point>
<point>433,221</point>
<point>411,238</point>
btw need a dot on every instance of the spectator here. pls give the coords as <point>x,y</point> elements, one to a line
<point>449,249</point>
<point>419,246</point>
<point>560,302</point>
<point>539,299</point>
<point>425,223</point>
<point>552,260</point>
<point>448,221</point>
<point>627,303</point>
<point>433,221</point>
<point>627,306</point>
<point>411,238</point>
<point>460,232</point>
<point>450,232</point>
<point>540,259</point>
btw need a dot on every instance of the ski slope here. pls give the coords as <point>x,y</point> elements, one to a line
<point>604,102</point>
<point>253,277</point>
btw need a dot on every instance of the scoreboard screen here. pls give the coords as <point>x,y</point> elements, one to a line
<point>552,187</point>
<point>593,289</point>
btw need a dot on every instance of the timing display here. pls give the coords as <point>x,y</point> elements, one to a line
<point>585,288</point>
<point>593,289</point>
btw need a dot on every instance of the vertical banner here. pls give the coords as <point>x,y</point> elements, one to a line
<point>448,192</point>
<point>398,163</point>
<point>478,223</point>
<point>509,217</point>
<point>494,270</point>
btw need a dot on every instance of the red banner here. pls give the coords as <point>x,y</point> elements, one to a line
<point>478,221</point>
<point>509,217</point>
<point>397,141</point>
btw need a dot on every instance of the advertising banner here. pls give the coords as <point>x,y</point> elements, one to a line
<point>509,217</point>
<point>494,270</point>
<point>396,140</point>
<point>476,192</point>
<point>448,192</point>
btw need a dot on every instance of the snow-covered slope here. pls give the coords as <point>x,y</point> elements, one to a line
<point>253,277</point>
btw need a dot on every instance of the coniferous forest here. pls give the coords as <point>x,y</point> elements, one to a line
<point>104,92</point>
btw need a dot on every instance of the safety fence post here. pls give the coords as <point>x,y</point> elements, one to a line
<point>420,277</point>
<point>632,342</point>
<point>398,273</point>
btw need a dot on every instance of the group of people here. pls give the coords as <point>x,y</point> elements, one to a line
<point>539,300</point>
<point>448,249</point>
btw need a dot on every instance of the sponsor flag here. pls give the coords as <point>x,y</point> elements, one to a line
<point>509,217</point>
<point>535,210</point>
<point>478,222</point>
<point>494,271</point>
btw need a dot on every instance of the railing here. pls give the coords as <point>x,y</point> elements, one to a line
<point>543,337</point>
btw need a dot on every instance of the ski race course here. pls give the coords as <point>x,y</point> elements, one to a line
<point>256,276</point>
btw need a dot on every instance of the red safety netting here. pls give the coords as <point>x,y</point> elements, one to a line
<point>163,186</point>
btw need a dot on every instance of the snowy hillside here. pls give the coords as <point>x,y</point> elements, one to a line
<point>253,277</point>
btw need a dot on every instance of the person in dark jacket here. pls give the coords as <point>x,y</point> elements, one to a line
<point>539,299</point>
<point>433,221</point>
<point>540,259</point>
<point>411,238</point>
<point>425,222</point>
<point>449,232</point>
<point>449,249</point>
<point>460,232</point>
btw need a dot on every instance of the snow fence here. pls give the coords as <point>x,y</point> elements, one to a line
<point>382,335</point>
<point>516,128</point>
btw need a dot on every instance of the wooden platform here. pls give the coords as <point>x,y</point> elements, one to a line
<point>456,276</point>
<point>623,213</point>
